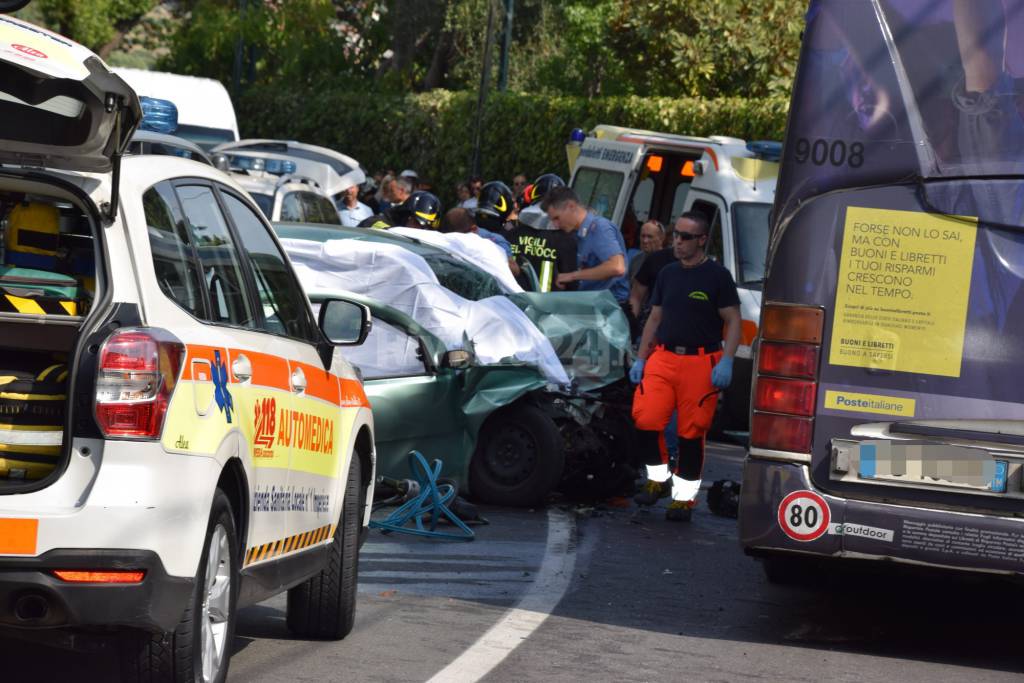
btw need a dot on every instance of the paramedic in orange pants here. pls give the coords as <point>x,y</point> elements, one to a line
<point>682,364</point>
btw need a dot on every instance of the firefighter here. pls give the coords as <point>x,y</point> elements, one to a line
<point>682,364</point>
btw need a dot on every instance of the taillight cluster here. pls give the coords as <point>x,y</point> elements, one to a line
<point>787,372</point>
<point>138,370</point>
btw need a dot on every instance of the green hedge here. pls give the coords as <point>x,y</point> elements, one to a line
<point>433,132</point>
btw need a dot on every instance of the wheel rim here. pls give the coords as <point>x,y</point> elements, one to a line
<point>216,604</point>
<point>512,455</point>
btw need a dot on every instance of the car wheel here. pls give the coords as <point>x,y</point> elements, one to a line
<point>324,607</point>
<point>518,459</point>
<point>199,648</point>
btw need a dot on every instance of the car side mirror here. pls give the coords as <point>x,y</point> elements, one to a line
<point>457,359</point>
<point>344,322</point>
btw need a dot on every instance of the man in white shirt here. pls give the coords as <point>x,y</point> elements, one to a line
<point>350,210</point>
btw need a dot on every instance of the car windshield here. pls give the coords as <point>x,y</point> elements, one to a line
<point>752,227</point>
<point>463,279</point>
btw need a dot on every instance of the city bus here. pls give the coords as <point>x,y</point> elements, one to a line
<point>887,417</point>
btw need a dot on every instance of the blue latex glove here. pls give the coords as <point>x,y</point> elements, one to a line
<point>636,372</point>
<point>721,375</point>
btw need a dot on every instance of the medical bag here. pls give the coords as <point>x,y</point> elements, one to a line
<point>28,290</point>
<point>33,402</point>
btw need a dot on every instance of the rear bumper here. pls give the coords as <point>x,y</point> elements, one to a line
<point>875,531</point>
<point>31,597</point>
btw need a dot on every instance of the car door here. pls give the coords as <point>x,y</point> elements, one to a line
<point>248,367</point>
<point>414,407</point>
<point>306,419</point>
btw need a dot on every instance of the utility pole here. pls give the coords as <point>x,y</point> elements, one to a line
<point>485,82</point>
<point>236,71</point>
<point>506,44</point>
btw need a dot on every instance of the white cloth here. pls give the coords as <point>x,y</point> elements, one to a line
<point>481,252</point>
<point>496,328</point>
<point>352,217</point>
<point>468,203</point>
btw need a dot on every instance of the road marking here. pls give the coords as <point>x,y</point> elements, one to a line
<point>553,579</point>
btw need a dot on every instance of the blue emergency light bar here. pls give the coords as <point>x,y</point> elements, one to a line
<point>769,150</point>
<point>578,135</point>
<point>158,116</point>
<point>256,164</point>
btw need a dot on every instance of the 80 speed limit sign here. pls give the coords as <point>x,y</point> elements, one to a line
<point>804,515</point>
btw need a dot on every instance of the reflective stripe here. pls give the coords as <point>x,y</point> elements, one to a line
<point>547,269</point>
<point>32,436</point>
<point>684,490</point>
<point>658,473</point>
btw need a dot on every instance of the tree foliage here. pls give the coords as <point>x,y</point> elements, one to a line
<point>97,24</point>
<point>432,132</point>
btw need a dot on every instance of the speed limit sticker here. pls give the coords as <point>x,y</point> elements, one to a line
<point>804,515</point>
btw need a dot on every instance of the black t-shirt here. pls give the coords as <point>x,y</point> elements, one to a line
<point>689,300</point>
<point>652,265</point>
<point>549,252</point>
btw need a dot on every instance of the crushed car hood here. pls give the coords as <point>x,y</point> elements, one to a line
<point>588,331</point>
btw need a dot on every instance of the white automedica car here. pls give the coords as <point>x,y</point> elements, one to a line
<point>279,192</point>
<point>179,435</point>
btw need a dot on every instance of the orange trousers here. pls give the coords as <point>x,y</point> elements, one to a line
<point>672,382</point>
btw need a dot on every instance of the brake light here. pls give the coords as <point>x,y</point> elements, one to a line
<point>787,360</point>
<point>138,371</point>
<point>793,323</point>
<point>787,371</point>
<point>116,576</point>
<point>782,432</point>
<point>791,396</point>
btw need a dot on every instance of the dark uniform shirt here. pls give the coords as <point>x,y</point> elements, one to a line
<point>550,252</point>
<point>689,300</point>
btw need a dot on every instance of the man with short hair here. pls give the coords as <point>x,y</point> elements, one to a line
<point>351,211</point>
<point>601,253</point>
<point>681,364</point>
<point>399,190</point>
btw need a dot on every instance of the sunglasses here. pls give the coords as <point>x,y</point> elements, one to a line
<point>686,236</point>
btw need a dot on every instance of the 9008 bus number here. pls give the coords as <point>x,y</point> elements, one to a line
<point>836,152</point>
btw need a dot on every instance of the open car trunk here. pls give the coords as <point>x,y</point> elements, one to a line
<point>48,291</point>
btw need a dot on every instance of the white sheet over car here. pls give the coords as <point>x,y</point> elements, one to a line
<point>482,252</point>
<point>393,275</point>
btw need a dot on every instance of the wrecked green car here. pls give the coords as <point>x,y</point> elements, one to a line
<point>517,392</point>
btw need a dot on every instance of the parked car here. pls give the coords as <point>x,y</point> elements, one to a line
<point>279,190</point>
<point>194,439</point>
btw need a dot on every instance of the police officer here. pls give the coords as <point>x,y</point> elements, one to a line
<point>536,241</point>
<point>682,364</point>
<point>601,252</point>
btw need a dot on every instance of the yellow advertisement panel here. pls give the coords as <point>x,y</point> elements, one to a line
<point>901,299</point>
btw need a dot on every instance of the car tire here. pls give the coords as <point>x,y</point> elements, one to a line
<point>518,460</point>
<point>324,606</point>
<point>181,655</point>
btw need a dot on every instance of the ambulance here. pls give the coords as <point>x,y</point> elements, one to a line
<point>630,176</point>
<point>180,435</point>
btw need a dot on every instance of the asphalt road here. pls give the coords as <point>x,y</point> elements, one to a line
<point>617,594</point>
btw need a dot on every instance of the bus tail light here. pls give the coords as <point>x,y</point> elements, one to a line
<point>787,378</point>
<point>138,371</point>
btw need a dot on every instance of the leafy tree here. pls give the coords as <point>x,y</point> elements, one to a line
<point>97,24</point>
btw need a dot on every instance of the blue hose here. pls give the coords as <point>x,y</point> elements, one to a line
<point>432,500</point>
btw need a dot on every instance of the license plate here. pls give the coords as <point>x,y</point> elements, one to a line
<point>18,536</point>
<point>931,464</point>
